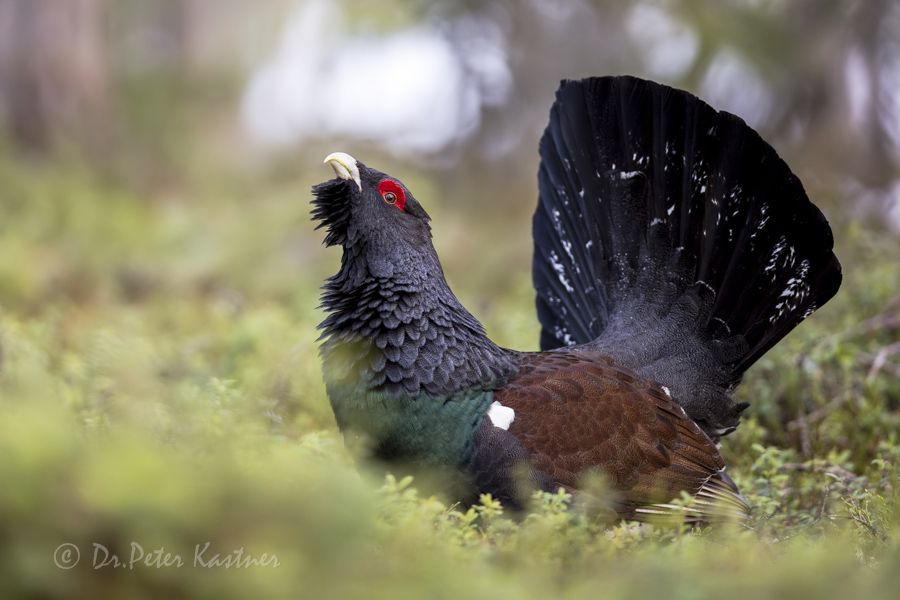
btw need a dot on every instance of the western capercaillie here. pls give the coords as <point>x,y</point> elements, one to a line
<point>673,247</point>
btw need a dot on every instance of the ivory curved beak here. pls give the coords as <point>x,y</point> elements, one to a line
<point>344,167</point>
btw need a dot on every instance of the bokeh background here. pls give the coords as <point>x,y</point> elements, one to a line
<point>159,276</point>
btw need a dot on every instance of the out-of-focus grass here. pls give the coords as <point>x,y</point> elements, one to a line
<point>160,389</point>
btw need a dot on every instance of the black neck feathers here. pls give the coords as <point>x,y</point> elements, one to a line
<point>393,323</point>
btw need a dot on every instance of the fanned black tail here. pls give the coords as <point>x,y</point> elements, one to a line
<point>673,237</point>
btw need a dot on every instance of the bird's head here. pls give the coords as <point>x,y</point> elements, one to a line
<point>373,216</point>
<point>362,202</point>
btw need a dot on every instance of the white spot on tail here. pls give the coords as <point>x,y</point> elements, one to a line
<point>501,416</point>
<point>560,271</point>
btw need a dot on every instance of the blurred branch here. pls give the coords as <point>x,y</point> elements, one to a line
<point>802,422</point>
<point>887,320</point>
<point>881,359</point>
<point>54,78</point>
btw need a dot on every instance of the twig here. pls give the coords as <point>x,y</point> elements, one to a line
<point>857,515</point>
<point>881,358</point>
<point>804,432</point>
<point>833,469</point>
<point>820,413</point>
<point>780,504</point>
<point>887,319</point>
<point>822,507</point>
<point>871,528</point>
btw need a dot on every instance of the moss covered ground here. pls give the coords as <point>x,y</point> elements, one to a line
<point>164,431</point>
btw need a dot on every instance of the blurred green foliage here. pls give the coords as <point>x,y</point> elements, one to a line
<point>160,386</point>
<point>160,390</point>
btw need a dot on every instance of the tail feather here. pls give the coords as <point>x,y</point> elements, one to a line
<point>673,237</point>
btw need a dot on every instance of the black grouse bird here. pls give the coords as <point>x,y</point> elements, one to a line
<point>672,249</point>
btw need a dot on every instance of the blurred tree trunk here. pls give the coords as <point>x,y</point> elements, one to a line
<point>54,75</point>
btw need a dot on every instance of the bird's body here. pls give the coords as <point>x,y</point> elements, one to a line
<point>672,249</point>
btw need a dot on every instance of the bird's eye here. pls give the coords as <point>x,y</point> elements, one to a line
<point>392,193</point>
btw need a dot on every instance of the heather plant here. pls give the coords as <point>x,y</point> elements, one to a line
<point>161,400</point>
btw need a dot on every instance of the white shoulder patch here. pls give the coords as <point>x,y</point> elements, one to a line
<point>501,416</point>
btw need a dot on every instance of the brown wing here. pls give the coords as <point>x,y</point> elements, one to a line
<point>578,412</point>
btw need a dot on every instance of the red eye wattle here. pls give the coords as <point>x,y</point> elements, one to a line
<point>392,193</point>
